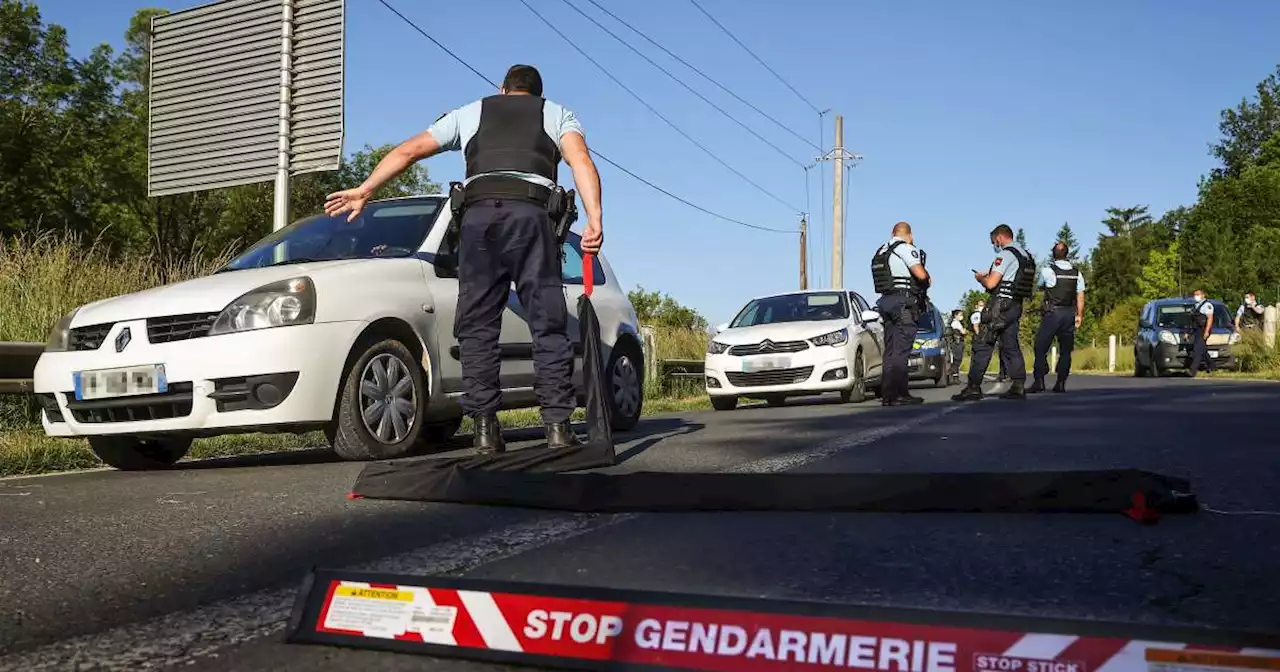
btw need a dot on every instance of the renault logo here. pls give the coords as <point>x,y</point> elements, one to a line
<point>122,340</point>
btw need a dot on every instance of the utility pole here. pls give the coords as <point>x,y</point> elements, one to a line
<point>837,217</point>
<point>804,254</point>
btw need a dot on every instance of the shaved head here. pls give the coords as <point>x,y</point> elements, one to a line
<point>902,229</point>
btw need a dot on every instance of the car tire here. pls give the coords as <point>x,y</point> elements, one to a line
<point>625,385</point>
<point>857,392</point>
<point>724,403</point>
<point>1139,371</point>
<point>359,432</point>
<point>130,453</point>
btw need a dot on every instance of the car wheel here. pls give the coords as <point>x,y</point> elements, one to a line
<point>857,393</point>
<point>382,397</point>
<point>724,403</point>
<point>776,400</point>
<point>1139,371</point>
<point>625,386</point>
<point>130,453</point>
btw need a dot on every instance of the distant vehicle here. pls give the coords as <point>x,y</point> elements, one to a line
<point>795,344</point>
<point>930,358</point>
<point>1163,340</point>
<point>325,324</point>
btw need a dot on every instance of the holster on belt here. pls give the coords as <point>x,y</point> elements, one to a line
<point>561,205</point>
<point>992,318</point>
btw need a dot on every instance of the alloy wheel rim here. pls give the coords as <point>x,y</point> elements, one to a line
<point>388,399</point>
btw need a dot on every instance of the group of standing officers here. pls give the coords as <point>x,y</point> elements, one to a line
<point>901,279</point>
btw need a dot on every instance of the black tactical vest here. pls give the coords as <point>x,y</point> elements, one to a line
<point>1198,319</point>
<point>1063,292</point>
<point>1250,319</point>
<point>1020,286</point>
<point>511,137</point>
<point>882,276</point>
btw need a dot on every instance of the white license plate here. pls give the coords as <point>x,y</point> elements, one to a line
<point>765,363</point>
<point>1213,353</point>
<point>123,382</point>
<point>915,361</point>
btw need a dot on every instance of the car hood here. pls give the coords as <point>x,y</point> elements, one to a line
<point>208,294</point>
<point>786,331</point>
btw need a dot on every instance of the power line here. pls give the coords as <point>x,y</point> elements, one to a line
<point>682,83</point>
<point>753,55</point>
<point>654,110</point>
<point>704,75</point>
<point>602,157</point>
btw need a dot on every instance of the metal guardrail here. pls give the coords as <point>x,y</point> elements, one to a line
<point>18,365</point>
<point>682,368</point>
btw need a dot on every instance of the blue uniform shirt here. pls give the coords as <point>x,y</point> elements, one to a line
<point>1006,264</point>
<point>1048,278</point>
<point>454,130</point>
<point>903,258</point>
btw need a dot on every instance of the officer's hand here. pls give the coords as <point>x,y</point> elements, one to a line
<point>1078,321</point>
<point>592,238</point>
<point>350,200</point>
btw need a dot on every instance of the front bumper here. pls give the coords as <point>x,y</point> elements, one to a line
<point>811,371</point>
<point>926,364</point>
<point>1171,357</point>
<point>215,382</point>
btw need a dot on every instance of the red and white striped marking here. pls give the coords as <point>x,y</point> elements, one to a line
<point>732,641</point>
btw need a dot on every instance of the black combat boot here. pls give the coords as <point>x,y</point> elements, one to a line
<point>970,392</point>
<point>1036,386</point>
<point>561,435</point>
<point>488,439</point>
<point>1015,391</point>
<point>1060,385</point>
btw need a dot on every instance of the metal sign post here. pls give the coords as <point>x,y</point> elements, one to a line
<point>245,91</point>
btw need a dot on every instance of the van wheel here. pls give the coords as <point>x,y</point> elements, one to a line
<point>776,400</point>
<point>381,402</point>
<point>724,403</point>
<point>130,453</point>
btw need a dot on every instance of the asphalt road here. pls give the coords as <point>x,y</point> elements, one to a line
<point>198,567</point>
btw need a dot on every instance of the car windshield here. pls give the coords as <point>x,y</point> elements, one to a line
<point>1178,316</point>
<point>384,229</point>
<point>793,308</point>
<point>927,323</point>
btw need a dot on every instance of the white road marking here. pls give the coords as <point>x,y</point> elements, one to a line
<point>183,637</point>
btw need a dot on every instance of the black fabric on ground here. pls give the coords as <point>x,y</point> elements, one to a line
<point>1110,491</point>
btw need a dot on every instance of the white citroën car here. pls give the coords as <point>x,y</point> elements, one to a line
<point>324,324</point>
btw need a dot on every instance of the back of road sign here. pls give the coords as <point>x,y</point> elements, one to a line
<point>601,629</point>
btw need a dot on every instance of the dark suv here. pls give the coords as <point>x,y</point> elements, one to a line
<point>1163,340</point>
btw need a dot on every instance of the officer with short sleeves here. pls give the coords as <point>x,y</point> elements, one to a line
<point>1201,327</point>
<point>1009,281</point>
<point>901,280</point>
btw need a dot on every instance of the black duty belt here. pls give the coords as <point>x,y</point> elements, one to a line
<point>505,188</point>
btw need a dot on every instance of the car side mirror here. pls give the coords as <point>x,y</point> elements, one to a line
<point>870,316</point>
<point>721,327</point>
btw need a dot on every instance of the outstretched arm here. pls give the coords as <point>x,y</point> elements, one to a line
<point>395,162</point>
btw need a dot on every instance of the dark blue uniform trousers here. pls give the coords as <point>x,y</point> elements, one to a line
<point>1010,350</point>
<point>1199,353</point>
<point>1059,323</point>
<point>899,315</point>
<point>502,241</point>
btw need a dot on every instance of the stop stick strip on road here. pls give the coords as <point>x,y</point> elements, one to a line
<point>570,627</point>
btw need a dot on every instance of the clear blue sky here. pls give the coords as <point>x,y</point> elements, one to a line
<point>967,114</point>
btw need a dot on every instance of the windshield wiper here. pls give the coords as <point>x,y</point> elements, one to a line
<point>295,260</point>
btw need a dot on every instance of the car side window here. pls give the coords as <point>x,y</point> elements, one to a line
<point>571,263</point>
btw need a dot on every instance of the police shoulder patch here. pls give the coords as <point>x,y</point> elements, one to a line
<point>915,254</point>
<point>998,261</point>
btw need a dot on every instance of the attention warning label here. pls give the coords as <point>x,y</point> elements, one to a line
<point>388,612</point>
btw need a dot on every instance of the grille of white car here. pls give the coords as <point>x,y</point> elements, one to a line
<point>179,327</point>
<point>90,337</point>
<point>767,346</point>
<point>764,378</point>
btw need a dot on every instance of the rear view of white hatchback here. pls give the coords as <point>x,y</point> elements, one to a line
<point>796,344</point>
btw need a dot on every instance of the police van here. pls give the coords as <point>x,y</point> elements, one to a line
<point>1163,341</point>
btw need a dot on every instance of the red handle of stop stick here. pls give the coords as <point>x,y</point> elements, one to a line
<point>588,273</point>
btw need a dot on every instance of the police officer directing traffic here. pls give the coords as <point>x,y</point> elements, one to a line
<point>1009,281</point>
<point>900,278</point>
<point>1063,311</point>
<point>513,143</point>
<point>1201,327</point>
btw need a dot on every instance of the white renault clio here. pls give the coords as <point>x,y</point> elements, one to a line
<point>795,344</point>
<point>324,324</point>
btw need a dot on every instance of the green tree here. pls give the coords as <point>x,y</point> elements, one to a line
<point>1067,236</point>
<point>655,308</point>
<point>1121,321</point>
<point>1159,277</point>
<point>1247,128</point>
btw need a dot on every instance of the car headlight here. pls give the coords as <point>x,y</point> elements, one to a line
<point>1169,337</point>
<point>715,348</point>
<point>60,337</point>
<point>929,343</point>
<point>833,338</point>
<point>279,304</point>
